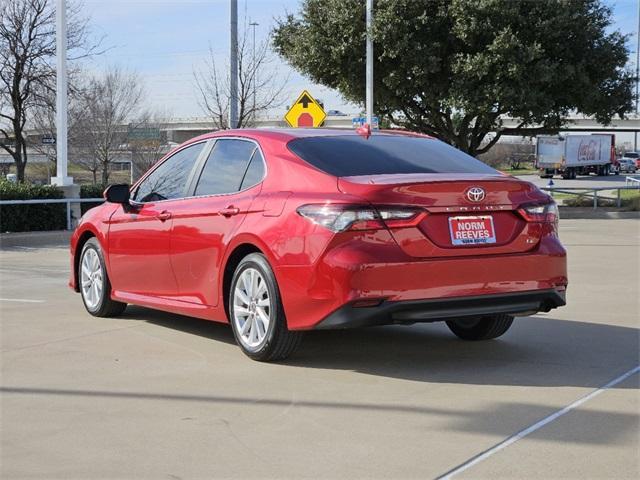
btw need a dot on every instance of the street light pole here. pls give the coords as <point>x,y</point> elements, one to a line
<point>635,142</point>
<point>233,63</point>
<point>255,67</point>
<point>61,177</point>
<point>369,86</point>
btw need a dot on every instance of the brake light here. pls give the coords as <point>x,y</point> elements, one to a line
<point>541,213</point>
<point>342,217</point>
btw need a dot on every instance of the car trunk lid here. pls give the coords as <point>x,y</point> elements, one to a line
<point>466,214</point>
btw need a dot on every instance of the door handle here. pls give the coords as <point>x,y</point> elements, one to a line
<point>230,211</point>
<point>164,215</point>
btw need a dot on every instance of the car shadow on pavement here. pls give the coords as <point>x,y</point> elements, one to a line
<point>219,332</point>
<point>536,351</point>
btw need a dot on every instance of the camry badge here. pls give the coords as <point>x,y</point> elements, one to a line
<point>475,194</point>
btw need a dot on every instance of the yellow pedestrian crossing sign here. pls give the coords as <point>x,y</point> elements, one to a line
<point>305,112</point>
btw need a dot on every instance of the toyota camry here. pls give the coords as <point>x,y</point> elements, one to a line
<point>281,231</point>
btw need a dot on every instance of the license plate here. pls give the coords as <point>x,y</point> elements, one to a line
<point>472,230</point>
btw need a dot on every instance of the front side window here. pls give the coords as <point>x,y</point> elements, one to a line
<point>225,167</point>
<point>169,180</point>
<point>351,155</point>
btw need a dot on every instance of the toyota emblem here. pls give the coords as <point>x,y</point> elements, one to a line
<point>475,194</point>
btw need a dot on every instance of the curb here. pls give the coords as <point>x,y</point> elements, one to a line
<point>56,238</point>
<point>588,213</point>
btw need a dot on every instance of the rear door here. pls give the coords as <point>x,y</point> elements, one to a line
<point>221,195</point>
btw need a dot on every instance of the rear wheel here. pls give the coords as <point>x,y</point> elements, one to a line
<point>94,283</point>
<point>256,312</point>
<point>483,328</point>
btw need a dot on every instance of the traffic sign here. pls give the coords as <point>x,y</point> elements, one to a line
<point>48,140</point>
<point>305,112</point>
<point>143,133</point>
<point>360,121</point>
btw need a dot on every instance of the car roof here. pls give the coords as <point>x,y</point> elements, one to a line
<point>287,134</point>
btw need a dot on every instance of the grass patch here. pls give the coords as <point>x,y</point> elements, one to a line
<point>629,200</point>
<point>519,171</point>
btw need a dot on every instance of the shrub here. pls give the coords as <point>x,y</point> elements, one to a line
<point>27,218</point>
<point>90,191</point>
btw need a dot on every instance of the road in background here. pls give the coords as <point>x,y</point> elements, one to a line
<point>154,395</point>
<point>591,181</point>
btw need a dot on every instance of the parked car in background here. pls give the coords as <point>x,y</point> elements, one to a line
<point>635,156</point>
<point>281,231</point>
<point>627,165</point>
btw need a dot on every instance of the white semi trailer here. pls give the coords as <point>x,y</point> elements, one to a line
<point>575,155</point>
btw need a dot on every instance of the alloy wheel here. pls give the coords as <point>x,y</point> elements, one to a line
<point>251,308</point>
<point>91,278</point>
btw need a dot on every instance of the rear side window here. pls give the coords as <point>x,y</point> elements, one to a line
<point>169,180</point>
<point>255,171</point>
<point>352,155</point>
<point>225,167</point>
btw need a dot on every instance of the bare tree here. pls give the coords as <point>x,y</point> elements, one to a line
<point>27,74</point>
<point>43,117</point>
<point>109,104</point>
<point>256,74</point>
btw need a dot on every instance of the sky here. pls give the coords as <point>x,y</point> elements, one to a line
<point>164,41</point>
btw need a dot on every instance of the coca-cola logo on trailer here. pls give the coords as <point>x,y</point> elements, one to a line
<point>588,150</point>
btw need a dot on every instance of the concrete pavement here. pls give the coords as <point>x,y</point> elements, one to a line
<point>154,395</point>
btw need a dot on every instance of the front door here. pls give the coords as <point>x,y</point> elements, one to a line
<point>139,251</point>
<point>139,237</point>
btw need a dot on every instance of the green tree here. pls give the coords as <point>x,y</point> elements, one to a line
<point>455,68</point>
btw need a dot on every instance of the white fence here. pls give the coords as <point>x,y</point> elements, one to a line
<point>583,192</point>
<point>632,182</point>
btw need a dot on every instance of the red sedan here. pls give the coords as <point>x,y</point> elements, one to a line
<point>281,231</point>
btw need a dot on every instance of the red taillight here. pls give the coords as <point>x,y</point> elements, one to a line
<point>342,217</point>
<point>541,213</point>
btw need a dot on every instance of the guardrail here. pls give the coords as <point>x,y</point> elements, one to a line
<point>585,192</point>
<point>629,181</point>
<point>68,201</point>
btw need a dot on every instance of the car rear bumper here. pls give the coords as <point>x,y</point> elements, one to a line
<point>368,273</point>
<point>520,303</point>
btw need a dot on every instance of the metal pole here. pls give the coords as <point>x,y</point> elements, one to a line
<point>635,141</point>
<point>369,95</point>
<point>61,177</point>
<point>69,215</point>
<point>233,63</point>
<point>255,67</point>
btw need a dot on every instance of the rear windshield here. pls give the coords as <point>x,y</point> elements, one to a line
<point>631,155</point>
<point>344,156</point>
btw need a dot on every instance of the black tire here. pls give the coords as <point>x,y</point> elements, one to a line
<point>279,342</point>
<point>483,328</point>
<point>106,307</point>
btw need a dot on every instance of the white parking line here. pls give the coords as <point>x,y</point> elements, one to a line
<point>536,426</point>
<point>21,300</point>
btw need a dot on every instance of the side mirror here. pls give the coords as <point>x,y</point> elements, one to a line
<point>118,193</point>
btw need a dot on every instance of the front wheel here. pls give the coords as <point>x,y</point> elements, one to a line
<point>256,312</point>
<point>483,328</point>
<point>95,286</point>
